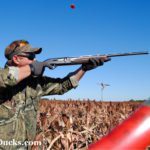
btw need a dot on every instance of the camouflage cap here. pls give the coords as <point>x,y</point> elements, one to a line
<point>19,47</point>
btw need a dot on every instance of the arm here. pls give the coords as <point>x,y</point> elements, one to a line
<point>78,74</point>
<point>92,64</point>
<point>57,86</point>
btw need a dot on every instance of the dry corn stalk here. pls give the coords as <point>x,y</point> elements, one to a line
<point>73,125</point>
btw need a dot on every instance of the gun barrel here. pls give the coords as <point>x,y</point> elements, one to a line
<point>128,54</point>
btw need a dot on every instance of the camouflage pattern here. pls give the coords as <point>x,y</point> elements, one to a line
<point>10,51</point>
<point>24,49</point>
<point>19,104</point>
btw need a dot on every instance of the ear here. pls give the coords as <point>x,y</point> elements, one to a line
<point>16,59</point>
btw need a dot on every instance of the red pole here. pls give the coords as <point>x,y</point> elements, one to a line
<point>131,134</point>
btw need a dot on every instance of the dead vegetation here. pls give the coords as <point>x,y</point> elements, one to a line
<point>73,125</point>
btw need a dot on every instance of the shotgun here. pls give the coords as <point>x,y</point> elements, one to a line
<point>64,61</point>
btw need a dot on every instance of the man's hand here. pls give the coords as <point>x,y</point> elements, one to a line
<point>37,68</point>
<point>94,63</point>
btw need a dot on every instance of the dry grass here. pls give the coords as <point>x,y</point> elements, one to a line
<point>73,125</point>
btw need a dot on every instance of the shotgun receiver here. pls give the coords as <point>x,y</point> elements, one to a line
<point>64,61</point>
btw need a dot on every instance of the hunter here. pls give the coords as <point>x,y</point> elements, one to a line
<point>22,84</point>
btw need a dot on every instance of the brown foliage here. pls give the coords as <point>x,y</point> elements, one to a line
<point>70,125</point>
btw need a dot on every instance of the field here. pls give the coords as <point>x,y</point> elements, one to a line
<point>73,125</point>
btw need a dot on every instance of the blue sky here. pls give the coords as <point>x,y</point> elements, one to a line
<point>93,27</point>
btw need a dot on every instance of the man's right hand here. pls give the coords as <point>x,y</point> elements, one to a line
<point>37,68</point>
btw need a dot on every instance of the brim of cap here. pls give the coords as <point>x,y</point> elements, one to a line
<point>35,50</point>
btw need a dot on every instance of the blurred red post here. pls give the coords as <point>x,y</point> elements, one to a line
<point>131,134</point>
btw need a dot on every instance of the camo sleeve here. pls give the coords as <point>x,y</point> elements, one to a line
<point>8,77</point>
<point>57,86</point>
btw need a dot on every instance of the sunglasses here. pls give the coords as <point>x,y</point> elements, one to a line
<point>30,56</point>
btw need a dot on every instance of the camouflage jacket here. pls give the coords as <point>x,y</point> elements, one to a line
<point>19,102</point>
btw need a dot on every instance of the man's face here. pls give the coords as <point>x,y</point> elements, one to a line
<point>24,59</point>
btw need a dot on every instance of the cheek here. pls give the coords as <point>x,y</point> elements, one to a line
<point>30,61</point>
<point>26,62</point>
